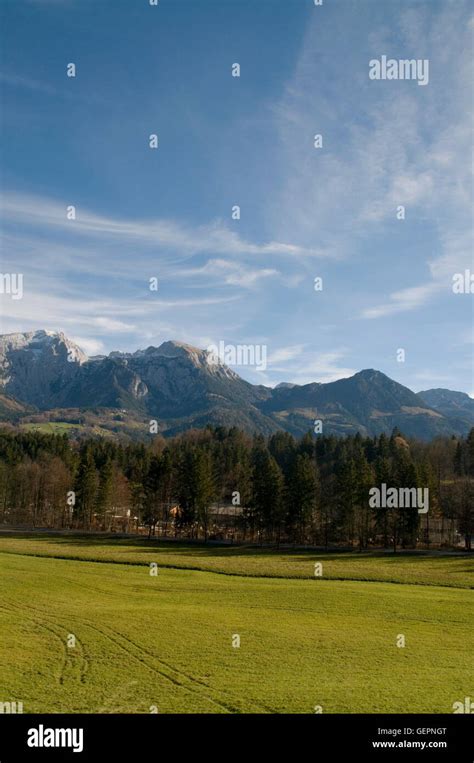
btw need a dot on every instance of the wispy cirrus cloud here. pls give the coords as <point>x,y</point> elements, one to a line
<point>299,364</point>
<point>229,272</point>
<point>320,367</point>
<point>212,238</point>
<point>457,255</point>
<point>284,354</point>
<point>384,145</point>
<point>28,83</point>
<point>403,300</point>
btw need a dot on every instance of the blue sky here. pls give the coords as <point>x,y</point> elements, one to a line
<point>248,141</point>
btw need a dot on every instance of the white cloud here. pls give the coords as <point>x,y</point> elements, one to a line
<point>456,257</point>
<point>285,353</point>
<point>403,148</point>
<point>212,238</point>
<point>54,306</point>
<point>324,367</point>
<point>88,345</point>
<point>231,273</point>
<point>311,366</point>
<point>29,83</point>
<point>405,299</point>
<point>110,325</point>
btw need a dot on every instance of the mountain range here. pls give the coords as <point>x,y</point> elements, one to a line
<point>47,382</point>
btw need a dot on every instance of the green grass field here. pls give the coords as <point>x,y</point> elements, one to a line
<point>165,641</point>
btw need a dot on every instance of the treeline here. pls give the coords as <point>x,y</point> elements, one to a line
<point>222,483</point>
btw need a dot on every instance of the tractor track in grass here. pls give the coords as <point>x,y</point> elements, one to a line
<point>151,654</point>
<point>130,648</point>
<point>75,662</point>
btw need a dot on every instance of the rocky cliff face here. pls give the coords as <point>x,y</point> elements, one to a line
<point>35,366</point>
<point>174,381</point>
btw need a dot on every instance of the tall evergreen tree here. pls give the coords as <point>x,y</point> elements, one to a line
<point>302,496</point>
<point>85,489</point>
<point>267,498</point>
<point>104,491</point>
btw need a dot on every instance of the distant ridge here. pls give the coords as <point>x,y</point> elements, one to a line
<point>182,386</point>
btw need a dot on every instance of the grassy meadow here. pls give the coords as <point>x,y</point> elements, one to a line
<point>144,643</point>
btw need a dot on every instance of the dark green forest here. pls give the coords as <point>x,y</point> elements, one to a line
<point>222,484</point>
